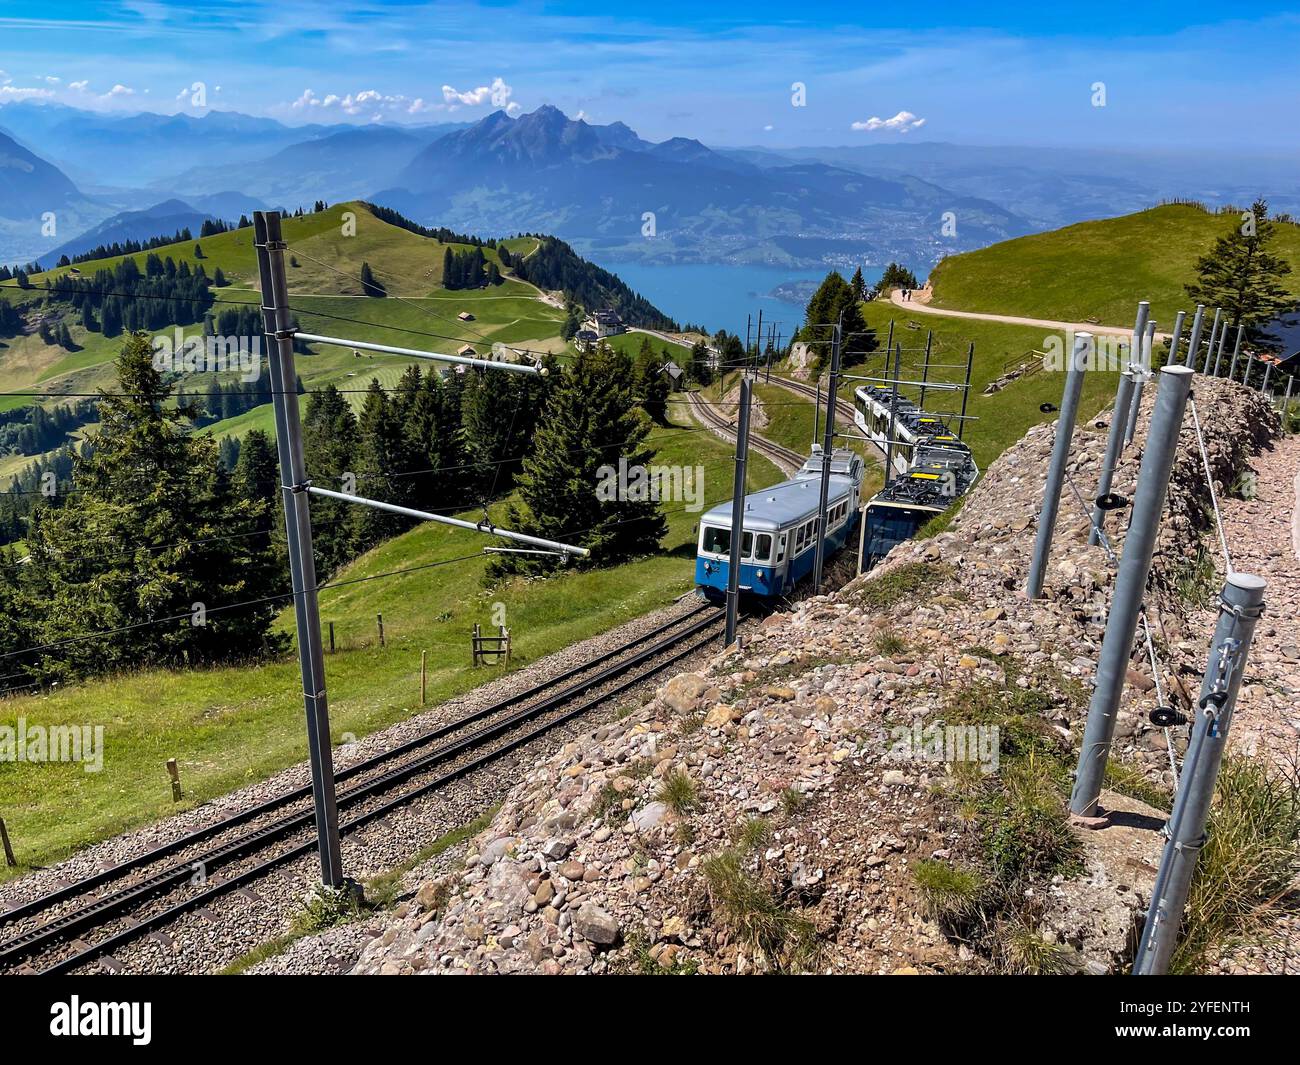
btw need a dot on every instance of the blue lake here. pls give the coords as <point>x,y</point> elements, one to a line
<point>722,296</point>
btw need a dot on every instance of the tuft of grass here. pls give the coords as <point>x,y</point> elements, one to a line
<point>953,894</point>
<point>1027,833</point>
<point>640,962</point>
<point>607,799</point>
<point>753,833</point>
<point>327,908</point>
<point>755,917</point>
<point>1248,864</point>
<point>1194,577</point>
<point>791,801</point>
<point>1024,952</point>
<point>887,642</point>
<point>1127,780</point>
<point>678,792</point>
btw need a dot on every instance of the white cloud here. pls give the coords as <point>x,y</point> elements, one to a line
<point>5,79</point>
<point>120,90</point>
<point>51,80</point>
<point>497,94</point>
<point>13,92</point>
<point>78,86</point>
<point>900,123</point>
<point>768,128</point>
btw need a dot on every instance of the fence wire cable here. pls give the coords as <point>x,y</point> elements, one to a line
<point>1209,484</point>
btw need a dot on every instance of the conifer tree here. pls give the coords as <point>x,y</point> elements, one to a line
<point>148,481</point>
<point>589,423</point>
<point>1243,275</point>
<point>330,440</point>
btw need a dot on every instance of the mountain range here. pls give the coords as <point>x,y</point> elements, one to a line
<point>612,194</point>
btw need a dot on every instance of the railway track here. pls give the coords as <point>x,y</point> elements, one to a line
<point>843,408</point>
<point>135,897</point>
<point>789,461</point>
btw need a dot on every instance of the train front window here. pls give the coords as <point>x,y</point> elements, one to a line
<point>763,549</point>
<point>715,541</point>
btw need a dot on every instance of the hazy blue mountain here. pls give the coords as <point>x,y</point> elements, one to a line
<point>342,165</point>
<point>168,217</point>
<point>146,147</point>
<point>594,185</point>
<point>1052,188</point>
<point>39,204</point>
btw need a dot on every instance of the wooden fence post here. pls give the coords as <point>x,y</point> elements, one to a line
<point>424,661</point>
<point>380,619</point>
<point>174,772</point>
<point>331,637</point>
<point>4,841</point>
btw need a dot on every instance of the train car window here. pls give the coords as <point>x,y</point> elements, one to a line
<point>747,545</point>
<point>763,551</point>
<point>780,548</point>
<point>716,541</point>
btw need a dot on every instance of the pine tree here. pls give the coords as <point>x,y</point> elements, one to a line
<point>589,423</point>
<point>384,463</point>
<point>147,482</point>
<point>1242,275</point>
<point>330,440</point>
<point>834,302</point>
<point>651,381</point>
<point>858,285</point>
<point>701,370</point>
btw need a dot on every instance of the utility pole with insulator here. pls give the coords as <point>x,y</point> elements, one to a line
<point>828,449</point>
<point>738,511</point>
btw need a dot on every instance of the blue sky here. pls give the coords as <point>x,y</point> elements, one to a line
<point>1174,74</point>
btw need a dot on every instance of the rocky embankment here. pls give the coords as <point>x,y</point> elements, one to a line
<point>799,804</point>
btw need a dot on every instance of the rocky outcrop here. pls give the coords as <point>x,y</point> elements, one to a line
<point>772,811</point>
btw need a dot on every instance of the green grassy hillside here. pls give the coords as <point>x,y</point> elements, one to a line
<point>1096,270</point>
<point>235,725</point>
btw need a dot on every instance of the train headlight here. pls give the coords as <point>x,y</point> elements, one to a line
<point>761,575</point>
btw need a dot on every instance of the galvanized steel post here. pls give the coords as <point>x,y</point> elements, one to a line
<point>1194,340</point>
<point>1130,584</point>
<point>1114,445</point>
<point>1240,607</point>
<point>1236,350</point>
<point>1060,457</point>
<point>828,449</point>
<point>1174,340</point>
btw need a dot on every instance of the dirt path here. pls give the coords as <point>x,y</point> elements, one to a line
<point>1261,535</point>
<point>920,303</point>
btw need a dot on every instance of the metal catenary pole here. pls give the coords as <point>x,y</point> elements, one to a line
<point>1130,584</point>
<point>1268,372</point>
<point>1174,340</point>
<point>1236,351</point>
<point>1060,457</point>
<point>1218,354</point>
<point>1214,336</point>
<point>1194,340</point>
<point>893,414</point>
<point>828,450</point>
<point>738,512</point>
<point>925,367</point>
<point>817,411</point>
<point>965,394</point>
<point>1135,366</point>
<point>1148,346</point>
<point>1114,445</point>
<point>1240,606</point>
<point>297,517</point>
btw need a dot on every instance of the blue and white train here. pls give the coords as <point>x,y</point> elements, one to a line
<point>780,529</point>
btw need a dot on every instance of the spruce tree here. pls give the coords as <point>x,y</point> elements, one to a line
<point>1243,275</point>
<point>330,441</point>
<point>148,482</point>
<point>834,302</point>
<point>858,285</point>
<point>589,423</point>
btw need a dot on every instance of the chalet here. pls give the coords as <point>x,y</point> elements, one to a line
<point>585,339</point>
<point>465,316</point>
<point>608,324</point>
<point>676,378</point>
<point>467,352</point>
